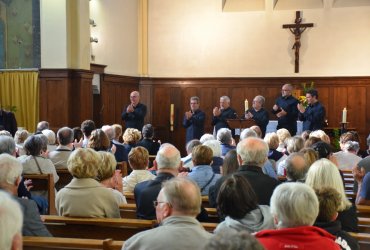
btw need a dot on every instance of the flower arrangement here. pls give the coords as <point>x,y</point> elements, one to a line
<point>302,98</point>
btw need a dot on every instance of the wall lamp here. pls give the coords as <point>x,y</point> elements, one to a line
<point>94,40</point>
<point>93,23</point>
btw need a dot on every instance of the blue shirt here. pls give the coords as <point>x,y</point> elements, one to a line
<point>202,175</point>
<point>365,188</point>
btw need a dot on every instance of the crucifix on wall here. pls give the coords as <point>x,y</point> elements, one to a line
<point>297,29</point>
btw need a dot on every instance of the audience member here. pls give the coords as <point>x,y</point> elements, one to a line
<point>194,120</point>
<point>130,137</point>
<point>41,126</point>
<point>109,177</point>
<point>285,109</point>
<point>320,134</point>
<point>231,240</point>
<point>282,134</point>
<point>84,196</point>
<point>226,140</point>
<point>78,136</point>
<point>306,134</point>
<point>139,161</point>
<point>147,142</point>
<point>217,160</point>
<point>117,133</point>
<point>167,162</point>
<point>311,141</point>
<point>51,139</point>
<point>348,158</point>
<point>323,173</point>
<point>258,131</point>
<point>187,160</point>
<point>252,155</point>
<point>296,167</point>
<point>258,114</point>
<point>310,155</point>
<point>134,113</point>
<point>87,127</point>
<point>10,179</point>
<point>202,173</point>
<point>99,141</point>
<point>238,203</point>
<point>272,141</point>
<point>60,155</point>
<point>206,137</point>
<point>11,223</point>
<point>362,179</point>
<point>329,203</point>
<point>247,132</point>
<point>230,164</point>
<point>120,150</point>
<point>295,207</point>
<point>177,205</point>
<point>19,138</point>
<point>293,145</point>
<point>221,114</point>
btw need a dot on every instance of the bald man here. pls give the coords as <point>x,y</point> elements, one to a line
<point>286,110</point>
<point>134,113</point>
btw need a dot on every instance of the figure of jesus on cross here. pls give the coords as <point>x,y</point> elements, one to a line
<point>297,29</point>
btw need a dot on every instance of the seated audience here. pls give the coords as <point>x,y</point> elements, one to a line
<point>324,151</point>
<point>306,134</point>
<point>60,155</point>
<point>329,203</point>
<point>293,145</point>
<point>41,126</point>
<point>230,164</point>
<point>147,141</point>
<point>109,177</point>
<point>202,173</point>
<point>258,131</point>
<point>231,240</point>
<point>84,196</point>
<point>295,207</point>
<point>311,141</point>
<point>217,161</point>
<point>177,205</point>
<point>117,133</point>
<point>206,137</point>
<point>87,127</point>
<point>130,137</point>
<point>78,136</point>
<point>296,167</point>
<point>19,138</point>
<point>365,164</point>
<point>225,138</point>
<point>99,141</point>
<point>11,223</point>
<point>10,179</point>
<point>323,173</point>
<point>348,158</point>
<point>120,151</point>
<point>247,132</point>
<point>51,139</point>
<point>252,155</point>
<point>167,162</point>
<point>187,160</point>
<point>283,134</point>
<point>310,155</point>
<point>35,163</point>
<point>362,179</point>
<point>139,161</point>
<point>238,203</point>
<point>321,135</point>
<point>272,141</point>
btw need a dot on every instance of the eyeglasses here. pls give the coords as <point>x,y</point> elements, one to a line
<point>156,203</point>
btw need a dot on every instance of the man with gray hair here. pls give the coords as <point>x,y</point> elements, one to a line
<point>187,160</point>
<point>7,145</point>
<point>10,179</point>
<point>296,167</point>
<point>295,207</point>
<point>177,205</point>
<point>11,223</point>
<point>60,155</point>
<point>226,140</point>
<point>194,120</point>
<point>252,155</point>
<point>167,161</point>
<point>258,113</point>
<point>41,126</point>
<point>222,114</point>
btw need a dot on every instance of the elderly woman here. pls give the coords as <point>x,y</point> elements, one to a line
<point>84,196</point>
<point>109,177</point>
<point>130,137</point>
<point>238,202</point>
<point>323,173</point>
<point>224,136</point>
<point>348,158</point>
<point>99,141</point>
<point>139,161</point>
<point>295,207</point>
<point>19,138</point>
<point>217,160</point>
<point>51,139</point>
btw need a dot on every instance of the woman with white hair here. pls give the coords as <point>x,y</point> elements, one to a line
<point>323,173</point>
<point>295,207</point>
<point>217,160</point>
<point>348,158</point>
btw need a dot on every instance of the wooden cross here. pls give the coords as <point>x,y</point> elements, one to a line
<point>297,29</point>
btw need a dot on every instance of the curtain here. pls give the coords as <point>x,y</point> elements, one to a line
<point>21,90</point>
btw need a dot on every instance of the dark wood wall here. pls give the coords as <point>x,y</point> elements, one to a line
<point>67,102</point>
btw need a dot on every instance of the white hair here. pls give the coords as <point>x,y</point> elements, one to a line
<point>252,151</point>
<point>10,169</point>
<point>248,132</point>
<point>294,204</point>
<point>206,137</point>
<point>225,98</point>
<point>7,144</point>
<point>323,173</point>
<point>224,135</point>
<point>215,146</point>
<point>109,131</point>
<point>168,157</point>
<point>351,146</point>
<point>11,220</point>
<point>50,135</point>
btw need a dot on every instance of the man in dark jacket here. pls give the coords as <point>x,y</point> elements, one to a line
<point>194,120</point>
<point>313,116</point>
<point>8,122</point>
<point>134,113</point>
<point>222,114</point>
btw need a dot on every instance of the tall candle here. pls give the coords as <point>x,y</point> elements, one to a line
<point>344,115</point>
<point>246,106</point>
<point>172,116</point>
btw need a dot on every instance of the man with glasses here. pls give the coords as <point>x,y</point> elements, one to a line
<point>286,110</point>
<point>176,206</point>
<point>194,120</point>
<point>134,113</point>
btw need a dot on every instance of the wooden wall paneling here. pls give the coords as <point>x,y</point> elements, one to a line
<point>207,103</point>
<point>161,112</point>
<point>146,97</point>
<point>367,108</point>
<point>238,96</point>
<point>178,134</point>
<point>324,99</point>
<point>356,108</point>
<point>339,102</point>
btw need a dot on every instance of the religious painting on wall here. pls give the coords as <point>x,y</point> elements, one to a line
<point>20,34</point>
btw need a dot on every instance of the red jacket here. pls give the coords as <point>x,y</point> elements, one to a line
<point>306,237</point>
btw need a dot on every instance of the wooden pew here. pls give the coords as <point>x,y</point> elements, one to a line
<point>363,240</point>
<point>44,182</point>
<point>49,243</point>
<point>128,211</point>
<point>65,178</point>
<point>363,211</point>
<point>95,228</point>
<point>209,226</point>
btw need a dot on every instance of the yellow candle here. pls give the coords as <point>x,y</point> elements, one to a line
<point>172,113</point>
<point>246,106</point>
<point>344,115</point>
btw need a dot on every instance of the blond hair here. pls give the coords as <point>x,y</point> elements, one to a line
<point>107,166</point>
<point>131,136</point>
<point>83,163</point>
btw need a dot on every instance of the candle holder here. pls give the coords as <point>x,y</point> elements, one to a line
<point>343,127</point>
